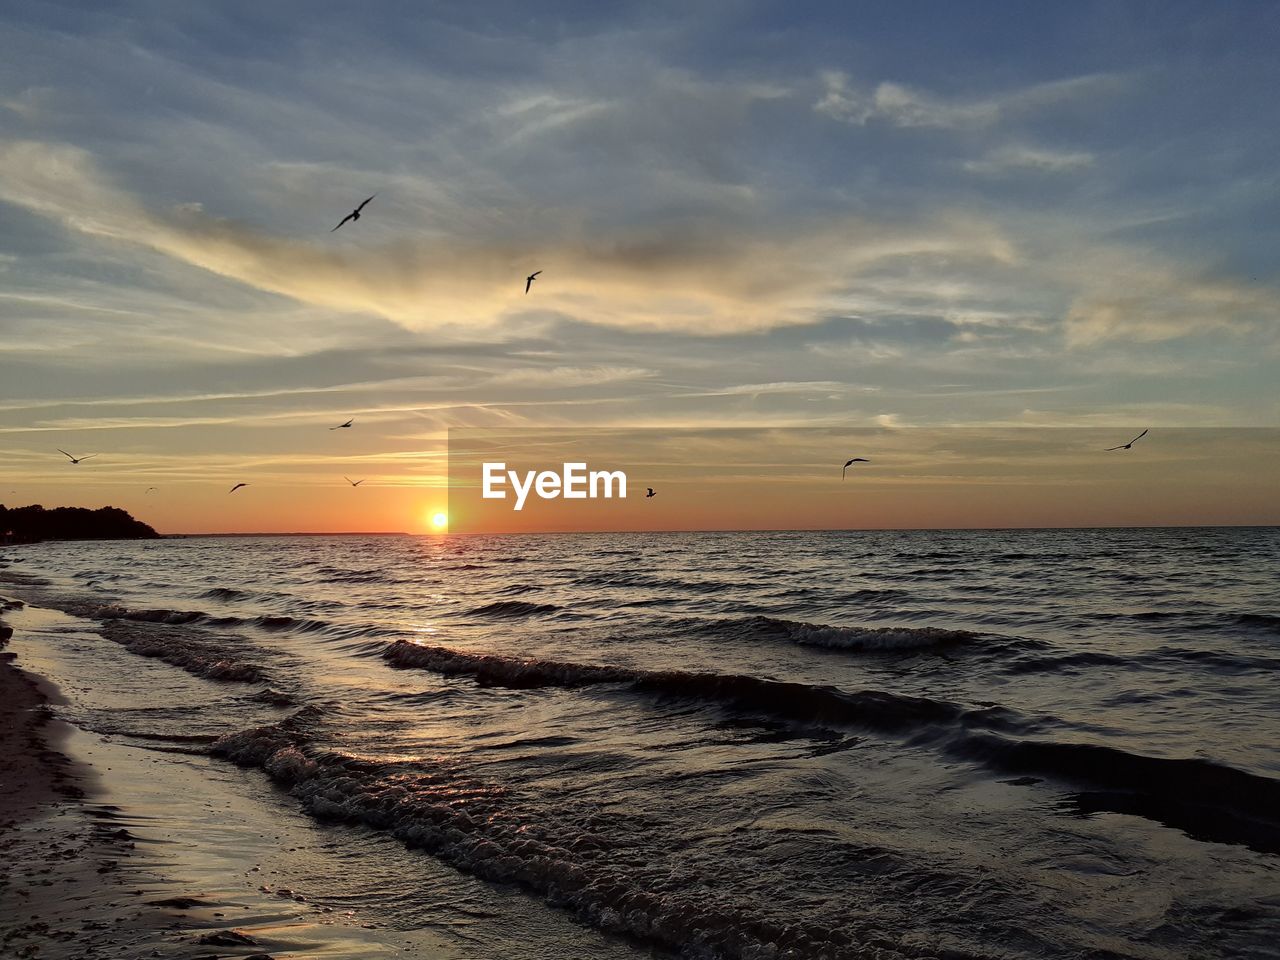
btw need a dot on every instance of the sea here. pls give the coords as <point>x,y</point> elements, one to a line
<point>929,744</point>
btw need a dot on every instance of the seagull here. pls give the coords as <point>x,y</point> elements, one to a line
<point>650,493</point>
<point>237,487</point>
<point>354,214</point>
<point>528,281</point>
<point>354,483</point>
<point>74,459</point>
<point>343,426</point>
<point>1126,446</point>
<point>849,463</point>
<point>149,489</point>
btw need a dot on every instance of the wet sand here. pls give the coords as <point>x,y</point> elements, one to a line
<point>115,852</point>
<point>71,885</point>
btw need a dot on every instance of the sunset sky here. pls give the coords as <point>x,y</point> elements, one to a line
<point>754,215</point>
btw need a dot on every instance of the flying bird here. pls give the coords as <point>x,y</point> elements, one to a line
<point>237,487</point>
<point>74,459</point>
<point>354,483</point>
<point>650,493</point>
<point>343,426</point>
<point>354,214</point>
<point>1126,446</point>
<point>528,281</point>
<point>849,463</point>
<point>149,489</point>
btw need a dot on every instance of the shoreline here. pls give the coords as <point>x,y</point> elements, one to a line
<point>111,852</point>
<point>76,885</point>
<point>34,774</point>
<point>63,891</point>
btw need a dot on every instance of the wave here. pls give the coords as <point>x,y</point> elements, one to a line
<point>180,644</point>
<point>1139,615</point>
<point>480,830</point>
<point>1267,622</point>
<point>1176,792</point>
<point>226,593</point>
<point>782,698</point>
<point>270,622</point>
<point>880,593</point>
<point>1208,800</point>
<point>272,696</point>
<point>196,653</point>
<point>1174,657</point>
<point>175,617</point>
<point>869,638</point>
<point>512,609</point>
<point>833,637</point>
<point>281,623</point>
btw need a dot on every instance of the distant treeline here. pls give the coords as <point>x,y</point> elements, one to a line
<point>29,524</point>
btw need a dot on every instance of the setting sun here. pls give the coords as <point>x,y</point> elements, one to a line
<point>439,520</point>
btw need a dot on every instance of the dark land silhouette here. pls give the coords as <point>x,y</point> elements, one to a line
<point>35,523</point>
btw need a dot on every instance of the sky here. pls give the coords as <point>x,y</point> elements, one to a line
<point>756,216</point>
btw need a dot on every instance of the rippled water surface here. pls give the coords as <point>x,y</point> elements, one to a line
<point>989,744</point>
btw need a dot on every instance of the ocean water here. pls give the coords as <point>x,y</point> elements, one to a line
<point>1004,744</point>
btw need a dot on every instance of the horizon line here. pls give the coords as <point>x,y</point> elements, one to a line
<point>531,533</point>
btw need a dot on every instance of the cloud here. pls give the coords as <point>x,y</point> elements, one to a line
<point>780,388</point>
<point>1022,159</point>
<point>699,273</point>
<point>31,103</point>
<point>565,377</point>
<point>902,106</point>
<point>1158,305</point>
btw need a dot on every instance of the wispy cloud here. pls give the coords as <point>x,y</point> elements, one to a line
<point>782,387</point>
<point>902,106</point>
<point>1158,304</point>
<point>1023,159</point>
<point>674,276</point>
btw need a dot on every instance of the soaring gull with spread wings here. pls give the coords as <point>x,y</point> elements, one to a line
<point>1126,446</point>
<point>353,215</point>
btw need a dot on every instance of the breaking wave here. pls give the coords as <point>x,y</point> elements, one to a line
<point>479,829</point>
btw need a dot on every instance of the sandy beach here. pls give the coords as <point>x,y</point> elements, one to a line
<point>72,885</point>
<point>110,853</point>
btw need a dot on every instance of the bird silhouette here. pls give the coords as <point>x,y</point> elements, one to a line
<point>353,215</point>
<point>343,426</point>
<point>650,493</point>
<point>354,483</point>
<point>849,463</point>
<point>1126,446</point>
<point>528,281</point>
<point>149,489</point>
<point>75,459</point>
<point>237,487</point>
